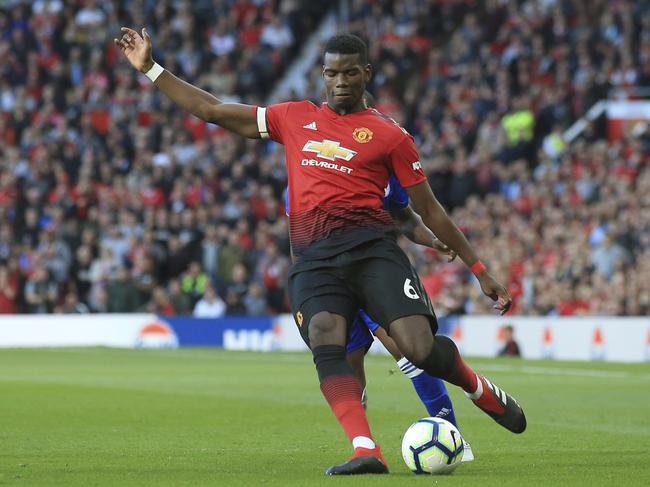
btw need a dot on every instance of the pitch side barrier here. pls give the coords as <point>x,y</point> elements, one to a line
<point>590,338</point>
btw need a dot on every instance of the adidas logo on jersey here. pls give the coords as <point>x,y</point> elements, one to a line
<point>310,126</point>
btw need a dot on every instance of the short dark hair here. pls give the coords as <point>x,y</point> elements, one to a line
<point>347,44</point>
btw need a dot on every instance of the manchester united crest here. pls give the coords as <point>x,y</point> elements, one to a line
<point>299,318</point>
<point>362,135</point>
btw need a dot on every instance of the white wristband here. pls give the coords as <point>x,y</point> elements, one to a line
<point>155,71</point>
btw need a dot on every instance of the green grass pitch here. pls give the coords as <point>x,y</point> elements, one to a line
<point>209,417</point>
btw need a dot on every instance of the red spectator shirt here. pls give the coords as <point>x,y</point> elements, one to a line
<point>338,168</point>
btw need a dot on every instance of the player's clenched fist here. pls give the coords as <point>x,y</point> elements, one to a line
<point>137,48</point>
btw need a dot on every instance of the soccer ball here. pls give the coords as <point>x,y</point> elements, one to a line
<point>432,445</point>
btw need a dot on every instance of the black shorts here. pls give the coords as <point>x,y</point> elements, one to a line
<point>375,276</point>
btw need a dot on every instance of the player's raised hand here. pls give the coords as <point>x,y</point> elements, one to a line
<point>137,48</point>
<point>496,291</point>
<point>443,249</point>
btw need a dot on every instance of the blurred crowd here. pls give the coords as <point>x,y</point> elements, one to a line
<point>113,200</point>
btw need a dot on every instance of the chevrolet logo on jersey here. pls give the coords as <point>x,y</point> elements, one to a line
<point>329,149</point>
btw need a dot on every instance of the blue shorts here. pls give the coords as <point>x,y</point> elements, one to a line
<point>361,334</point>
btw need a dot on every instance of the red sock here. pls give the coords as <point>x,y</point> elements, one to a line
<point>343,393</point>
<point>462,375</point>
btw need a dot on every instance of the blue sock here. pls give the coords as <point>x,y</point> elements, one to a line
<point>432,391</point>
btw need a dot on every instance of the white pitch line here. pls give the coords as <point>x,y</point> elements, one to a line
<point>526,369</point>
<point>185,353</point>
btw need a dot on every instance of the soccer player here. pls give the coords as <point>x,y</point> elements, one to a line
<point>431,390</point>
<point>339,157</point>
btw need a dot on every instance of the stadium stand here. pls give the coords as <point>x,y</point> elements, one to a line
<point>112,200</point>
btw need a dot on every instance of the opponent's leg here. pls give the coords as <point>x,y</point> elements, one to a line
<point>342,390</point>
<point>431,390</point>
<point>439,356</point>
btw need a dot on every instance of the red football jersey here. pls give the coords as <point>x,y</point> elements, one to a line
<point>338,168</point>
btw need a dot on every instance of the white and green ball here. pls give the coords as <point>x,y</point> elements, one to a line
<point>433,446</point>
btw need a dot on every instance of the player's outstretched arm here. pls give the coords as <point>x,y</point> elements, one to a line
<point>235,117</point>
<point>411,225</point>
<point>436,219</point>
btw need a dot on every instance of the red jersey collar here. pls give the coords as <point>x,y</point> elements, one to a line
<point>332,114</point>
